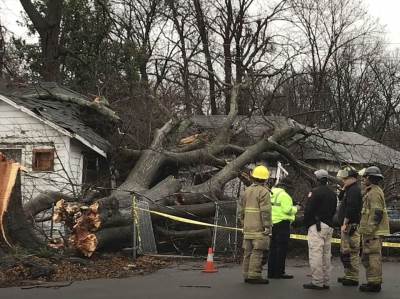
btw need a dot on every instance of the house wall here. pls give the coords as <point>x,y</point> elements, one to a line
<point>18,130</point>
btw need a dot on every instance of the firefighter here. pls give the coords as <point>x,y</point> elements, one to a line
<point>255,215</point>
<point>283,214</point>
<point>318,218</point>
<point>349,218</point>
<point>374,225</point>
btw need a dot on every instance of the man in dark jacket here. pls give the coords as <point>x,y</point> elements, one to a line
<point>349,218</point>
<point>318,217</point>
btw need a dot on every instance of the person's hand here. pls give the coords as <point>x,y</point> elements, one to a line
<point>344,228</point>
<point>266,232</point>
<point>298,207</point>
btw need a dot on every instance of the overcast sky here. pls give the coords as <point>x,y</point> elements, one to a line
<point>388,12</point>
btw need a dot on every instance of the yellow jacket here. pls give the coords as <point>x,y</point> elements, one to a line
<point>282,206</point>
<point>255,212</point>
<point>373,205</point>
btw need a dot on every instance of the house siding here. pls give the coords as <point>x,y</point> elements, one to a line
<point>19,130</point>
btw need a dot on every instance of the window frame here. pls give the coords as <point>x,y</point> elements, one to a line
<point>35,166</point>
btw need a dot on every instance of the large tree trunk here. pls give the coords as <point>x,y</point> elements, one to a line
<point>203,31</point>
<point>14,226</point>
<point>48,27</point>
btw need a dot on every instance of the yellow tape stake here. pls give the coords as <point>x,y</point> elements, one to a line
<point>292,236</point>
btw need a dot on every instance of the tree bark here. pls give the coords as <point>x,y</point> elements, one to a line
<point>48,27</point>
<point>205,233</point>
<point>203,32</point>
<point>18,229</point>
<point>43,202</point>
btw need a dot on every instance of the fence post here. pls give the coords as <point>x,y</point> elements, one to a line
<point>134,220</point>
<point>216,216</point>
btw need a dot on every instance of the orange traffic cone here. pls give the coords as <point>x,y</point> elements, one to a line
<point>209,268</point>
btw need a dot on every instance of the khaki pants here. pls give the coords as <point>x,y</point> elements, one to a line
<point>319,251</point>
<point>253,255</point>
<point>349,251</point>
<point>372,258</point>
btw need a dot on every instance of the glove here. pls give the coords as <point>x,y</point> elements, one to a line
<point>346,260</point>
<point>318,224</point>
<point>378,216</point>
<point>352,230</point>
<point>264,260</point>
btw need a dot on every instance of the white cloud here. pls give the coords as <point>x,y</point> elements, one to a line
<point>388,13</point>
<point>10,13</point>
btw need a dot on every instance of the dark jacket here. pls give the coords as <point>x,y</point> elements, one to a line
<point>351,205</point>
<point>321,205</point>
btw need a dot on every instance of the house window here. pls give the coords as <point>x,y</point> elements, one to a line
<point>43,160</point>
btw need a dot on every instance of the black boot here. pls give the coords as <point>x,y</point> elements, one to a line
<point>286,276</point>
<point>370,287</point>
<point>311,286</point>
<point>349,282</point>
<point>256,281</point>
<point>340,279</point>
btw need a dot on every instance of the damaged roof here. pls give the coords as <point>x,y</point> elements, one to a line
<point>348,147</point>
<point>329,145</point>
<point>65,114</point>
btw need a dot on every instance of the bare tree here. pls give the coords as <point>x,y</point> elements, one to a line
<point>2,49</point>
<point>387,75</point>
<point>203,28</point>
<point>48,27</point>
<point>327,26</point>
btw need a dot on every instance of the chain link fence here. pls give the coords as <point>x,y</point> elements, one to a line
<point>226,242</point>
<point>146,240</point>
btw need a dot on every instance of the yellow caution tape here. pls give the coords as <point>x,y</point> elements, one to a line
<point>189,221</point>
<point>391,244</point>
<point>337,241</point>
<point>304,237</point>
<point>292,236</point>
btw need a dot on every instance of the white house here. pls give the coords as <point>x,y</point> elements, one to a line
<point>49,135</point>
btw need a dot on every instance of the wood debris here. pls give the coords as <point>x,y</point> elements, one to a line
<point>30,271</point>
<point>201,137</point>
<point>83,221</point>
<point>9,171</point>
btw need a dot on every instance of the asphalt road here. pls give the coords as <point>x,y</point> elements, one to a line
<point>187,281</point>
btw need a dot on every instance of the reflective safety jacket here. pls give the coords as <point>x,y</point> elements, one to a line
<point>255,212</point>
<point>282,206</point>
<point>374,216</point>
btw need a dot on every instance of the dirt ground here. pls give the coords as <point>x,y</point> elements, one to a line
<point>30,269</point>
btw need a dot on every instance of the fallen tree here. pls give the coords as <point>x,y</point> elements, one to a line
<point>177,146</point>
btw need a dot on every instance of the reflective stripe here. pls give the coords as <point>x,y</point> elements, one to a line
<point>351,277</point>
<point>374,279</point>
<point>252,210</point>
<point>254,274</point>
<point>255,235</point>
<point>382,233</point>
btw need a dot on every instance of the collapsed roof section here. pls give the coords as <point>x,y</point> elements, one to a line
<point>322,144</point>
<point>66,111</point>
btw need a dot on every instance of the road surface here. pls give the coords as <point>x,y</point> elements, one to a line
<point>185,280</point>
